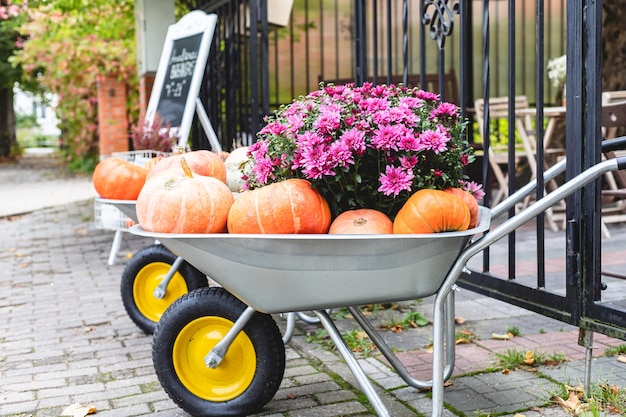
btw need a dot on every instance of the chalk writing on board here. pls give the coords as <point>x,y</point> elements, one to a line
<point>180,71</point>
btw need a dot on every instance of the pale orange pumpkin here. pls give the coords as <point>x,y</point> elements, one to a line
<point>201,162</point>
<point>361,221</point>
<point>171,202</point>
<point>286,207</point>
<point>471,202</point>
<point>118,179</point>
<point>432,211</point>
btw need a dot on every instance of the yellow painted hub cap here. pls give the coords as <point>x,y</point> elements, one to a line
<point>231,377</point>
<point>146,281</point>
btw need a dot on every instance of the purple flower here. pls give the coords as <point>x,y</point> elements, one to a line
<point>395,180</point>
<point>387,137</point>
<point>354,140</point>
<point>473,188</point>
<point>427,95</point>
<point>444,111</point>
<point>434,140</point>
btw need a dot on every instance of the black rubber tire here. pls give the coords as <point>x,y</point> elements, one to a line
<point>208,304</point>
<point>154,255</point>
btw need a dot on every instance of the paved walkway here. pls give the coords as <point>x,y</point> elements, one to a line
<point>65,337</point>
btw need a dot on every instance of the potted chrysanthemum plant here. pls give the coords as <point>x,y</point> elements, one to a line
<point>364,147</point>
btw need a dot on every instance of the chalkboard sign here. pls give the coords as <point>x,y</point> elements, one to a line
<point>180,71</point>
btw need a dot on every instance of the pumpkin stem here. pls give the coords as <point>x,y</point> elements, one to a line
<point>360,221</point>
<point>186,168</point>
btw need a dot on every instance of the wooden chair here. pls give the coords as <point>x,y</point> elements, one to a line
<point>498,157</point>
<point>614,194</point>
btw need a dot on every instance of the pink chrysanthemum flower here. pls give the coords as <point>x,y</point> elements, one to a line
<point>395,180</point>
<point>434,140</point>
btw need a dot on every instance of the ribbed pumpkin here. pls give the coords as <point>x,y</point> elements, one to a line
<point>118,179</point>
<point>286,207</point>
<point>361,221</point>
<point>471,202</point>
<point>432,211</point>
<point>201,162</point>
<point>171,202</point>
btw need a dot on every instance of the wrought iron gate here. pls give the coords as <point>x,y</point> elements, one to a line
<point>251,72</point>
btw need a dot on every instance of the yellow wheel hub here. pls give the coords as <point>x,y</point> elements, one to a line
<point>147,280</point>
<point>231,377</point>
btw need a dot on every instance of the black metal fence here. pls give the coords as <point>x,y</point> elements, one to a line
<point>466,50</point>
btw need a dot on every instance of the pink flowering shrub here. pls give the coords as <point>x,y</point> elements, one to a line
<point>369,146</point>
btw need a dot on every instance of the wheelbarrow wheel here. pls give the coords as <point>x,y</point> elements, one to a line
<point>143,274</point>
<point>250,372</point>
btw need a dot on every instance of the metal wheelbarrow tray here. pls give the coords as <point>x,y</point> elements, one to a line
<point>287,273</point>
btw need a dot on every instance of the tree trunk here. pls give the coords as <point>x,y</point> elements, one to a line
<point>8,140</point>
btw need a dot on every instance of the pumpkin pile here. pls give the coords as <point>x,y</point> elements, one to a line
<point>194,193</point>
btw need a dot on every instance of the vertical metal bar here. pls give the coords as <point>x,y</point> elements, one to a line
<point>375,41</point>
<point>307,58</point>
<point>254,65</point>
<point>405,42</point>
<point>591,234</point>
<point>539,147</point>
<point>359,42</point>
<point>486,94</point>
<point>511,168</point>
<point>422,48</point>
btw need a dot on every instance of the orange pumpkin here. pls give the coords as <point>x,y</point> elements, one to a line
<point>432,211</point>
<point>171,202</point>
<point>471,202</point>
<point>285,207</point>
<point>202,162</point>
<point>361,221</point>
<point>118,179</point>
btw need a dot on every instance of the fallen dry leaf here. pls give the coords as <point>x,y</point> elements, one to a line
<point>506,371</point>
<point>621,358</point>
<point>396,328</point>
<point>459,320</point>
<point>519,415</point>
<point>78,410</point>
<point>497,336</point>
<point>529,358</point>
<point>462,341</point>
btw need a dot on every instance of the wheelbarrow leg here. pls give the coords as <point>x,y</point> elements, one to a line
<point>384,348</point>
<point>353,364</point>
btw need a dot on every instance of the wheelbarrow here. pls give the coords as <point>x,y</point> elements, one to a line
<point>218,351</point>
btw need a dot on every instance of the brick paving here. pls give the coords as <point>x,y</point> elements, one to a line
<point>65,338</point>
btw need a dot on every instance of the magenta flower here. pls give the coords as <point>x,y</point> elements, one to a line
<point>395,180</point>
<point>434,140</point>
<point>444,110</point>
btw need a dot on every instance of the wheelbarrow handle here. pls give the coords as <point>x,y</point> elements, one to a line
<point>608,145</point>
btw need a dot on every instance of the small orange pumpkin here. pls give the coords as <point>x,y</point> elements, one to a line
<point>201,162</point>
<point>432,211</point>
<point>118,179</point>
<point>173,203</point>
<point>361,221</point>
<point>286,207</point>
<point>470,200</point>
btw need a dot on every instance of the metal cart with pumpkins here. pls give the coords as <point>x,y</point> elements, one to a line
<point>218,351</point>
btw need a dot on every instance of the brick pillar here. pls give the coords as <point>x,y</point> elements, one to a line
<point>146,81</point>
<point>112,116</point>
